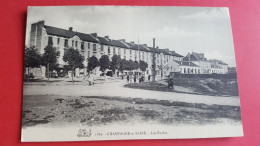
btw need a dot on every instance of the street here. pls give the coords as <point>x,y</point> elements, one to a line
<point>115,88</point>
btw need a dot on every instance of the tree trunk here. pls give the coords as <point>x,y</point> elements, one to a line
<point>72,74</point>
<point>105,76</point>
<point>48,72</point>
<point>28,78</point>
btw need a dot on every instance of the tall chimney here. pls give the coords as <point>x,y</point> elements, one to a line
<point>153,42</point>
<point>70,29</point>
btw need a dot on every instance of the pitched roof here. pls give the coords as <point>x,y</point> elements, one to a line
<point>165,52</point>
<point>68,34</point>
<point>136,47</point>
<point>221,62</point>
<point>130,45</point>
<point>176,54</point>
<point>154,50</point>
<point>104,41</point>
<point>186,63</point>
<point>118,43</point>
<point>144,48</point>
<point>195,57</point>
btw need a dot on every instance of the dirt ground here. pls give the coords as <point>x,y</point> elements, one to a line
<point>96,110</point>
<point>211,87</point>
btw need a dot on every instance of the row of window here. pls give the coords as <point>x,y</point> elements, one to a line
<point>73,43</point>
<point>190,71</point>
<point>82,46</point>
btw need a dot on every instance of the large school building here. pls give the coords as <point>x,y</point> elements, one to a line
<point>88,45</point>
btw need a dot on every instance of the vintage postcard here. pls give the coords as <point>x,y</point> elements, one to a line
<point>129,72</point>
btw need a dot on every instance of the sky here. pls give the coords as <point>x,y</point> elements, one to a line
<point>182,29</point>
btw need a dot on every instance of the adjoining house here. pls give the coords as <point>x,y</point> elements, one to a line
<point>218,66</point>
<point>207,66</point>
<point>199,60</point>
<point>183,67</point>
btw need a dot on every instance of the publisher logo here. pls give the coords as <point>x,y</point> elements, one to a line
<point>84,133</point>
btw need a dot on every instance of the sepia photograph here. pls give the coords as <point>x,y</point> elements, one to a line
<point>129,72</point>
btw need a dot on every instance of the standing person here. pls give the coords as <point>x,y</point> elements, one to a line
<point>89,80</point>
<point>171,83</point>
<point>85,78</point>
<point>127,78</point>
<point>93,79</point>
<point>149,77</point>
<point>134,78</point>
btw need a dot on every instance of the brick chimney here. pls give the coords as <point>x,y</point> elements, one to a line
<point>70,29</point>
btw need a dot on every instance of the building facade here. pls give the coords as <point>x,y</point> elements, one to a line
<point>88,45</point>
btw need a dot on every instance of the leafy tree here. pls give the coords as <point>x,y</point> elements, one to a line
<point>104,63</point>
<point>136,65</point>
<point>115,64</point>
<point>130,65</point>
<point>92,63</point>
<point>123,65</point>
<point>143,65</point>
<point>49,59</point>
<point>31,59</point>
<point>74,59</point>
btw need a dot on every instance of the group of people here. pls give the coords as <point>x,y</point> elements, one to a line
<point>134,77</point>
